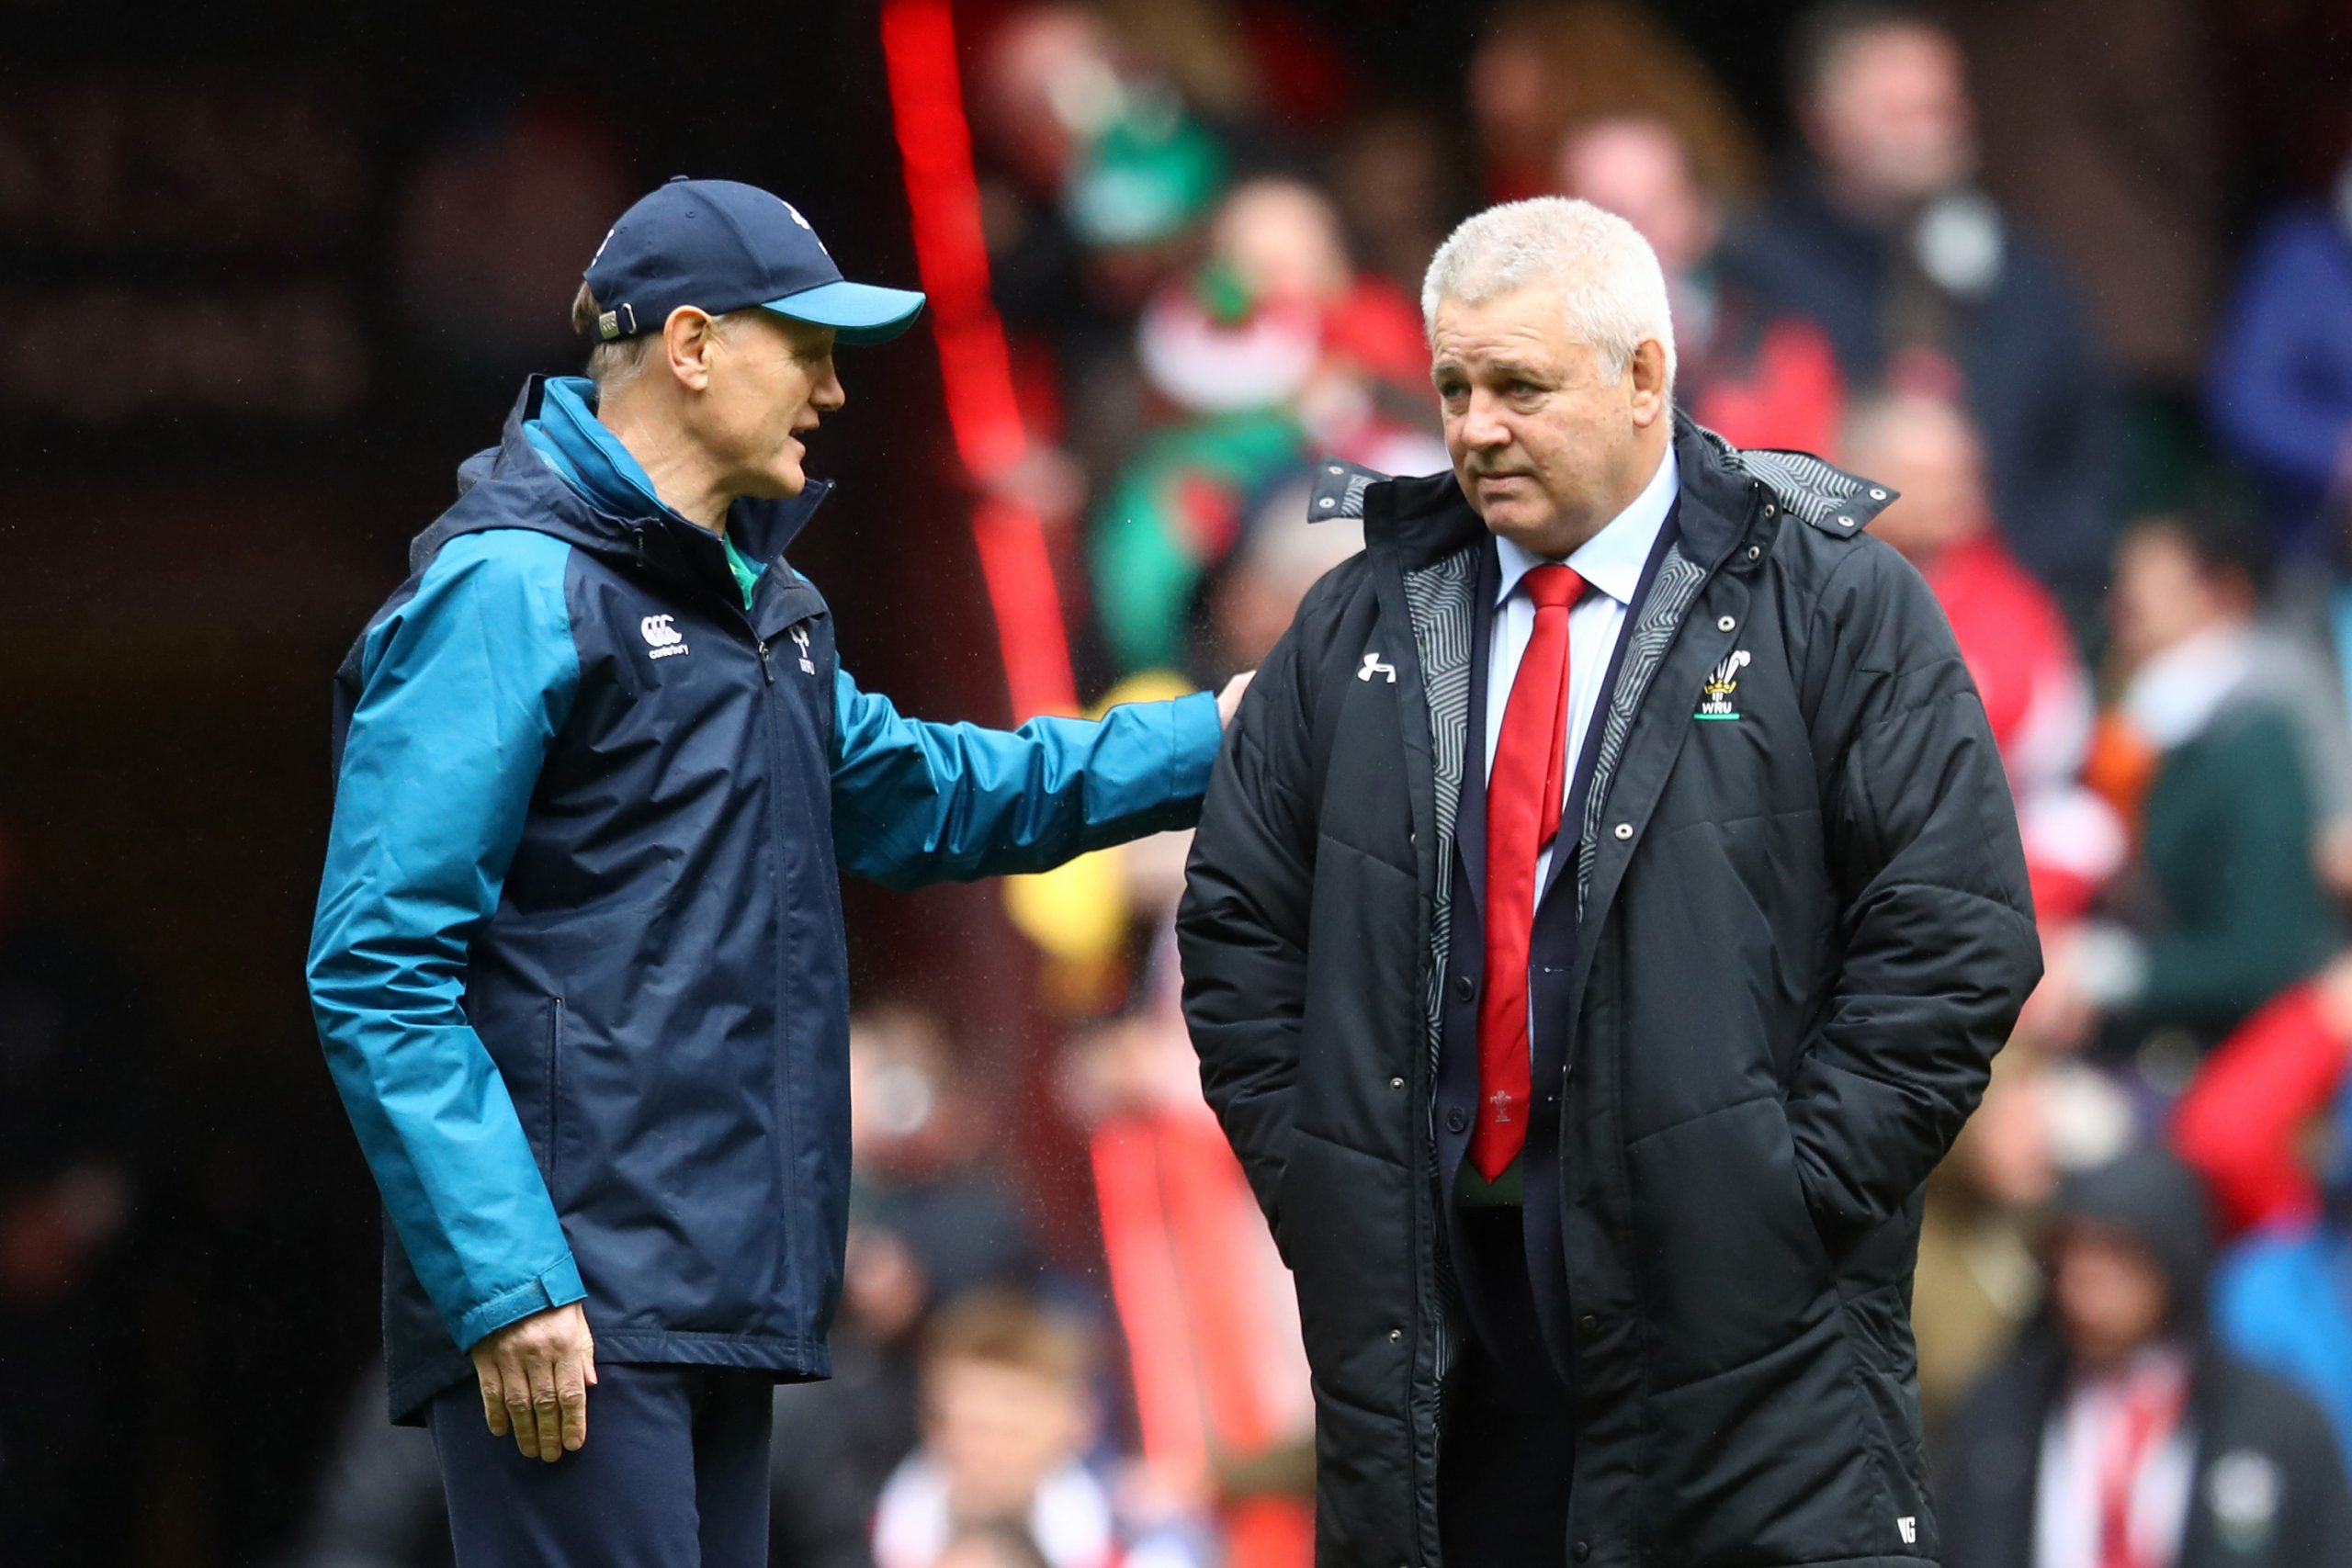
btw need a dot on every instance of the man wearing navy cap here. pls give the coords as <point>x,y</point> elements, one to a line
<point>578,962</point>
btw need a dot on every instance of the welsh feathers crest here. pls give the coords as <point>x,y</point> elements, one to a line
<point>1719,689</point>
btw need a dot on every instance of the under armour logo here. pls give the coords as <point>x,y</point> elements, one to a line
<point>800,636</point>
<point>666,640</point>
<point>1373,666</point>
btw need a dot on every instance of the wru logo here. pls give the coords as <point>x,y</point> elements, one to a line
<point>1728,680</point>
<point>1720,689</point>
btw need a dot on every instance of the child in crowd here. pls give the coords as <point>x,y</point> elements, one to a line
<point>1008,1417</point>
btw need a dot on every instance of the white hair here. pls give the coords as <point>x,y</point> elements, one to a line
<point>1605,272</point>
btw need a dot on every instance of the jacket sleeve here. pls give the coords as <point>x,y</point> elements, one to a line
<point>1242,927</point>
<point>917,803</point>
<point>1937,935</point>
<point>461,688</point>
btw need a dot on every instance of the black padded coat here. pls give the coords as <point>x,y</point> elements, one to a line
<point>1804,933</point>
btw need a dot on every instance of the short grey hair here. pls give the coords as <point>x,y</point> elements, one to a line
<point>1604,270</point>
<point>616,363</point>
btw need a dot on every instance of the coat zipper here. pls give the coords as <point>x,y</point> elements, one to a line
<point>790,1142</point>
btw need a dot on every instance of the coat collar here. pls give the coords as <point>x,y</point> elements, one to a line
<point>1426,518</point>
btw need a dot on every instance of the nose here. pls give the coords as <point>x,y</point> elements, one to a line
<point>828,394</point>
<point>1483,427</point>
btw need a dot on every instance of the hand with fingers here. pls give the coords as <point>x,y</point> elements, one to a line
<point>1228,701</point>
<point>536,1373</point>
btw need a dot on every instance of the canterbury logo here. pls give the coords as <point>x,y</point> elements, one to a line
<point>1373,666</point>
<point>664,639</point>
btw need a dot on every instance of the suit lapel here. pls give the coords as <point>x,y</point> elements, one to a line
<point>1583,780</point>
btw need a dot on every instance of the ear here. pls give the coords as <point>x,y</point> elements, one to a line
<point>686,340</point>
<point>1647,375</point>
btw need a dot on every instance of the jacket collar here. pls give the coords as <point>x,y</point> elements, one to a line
<point>512,485</point>
<point>1426,518</point>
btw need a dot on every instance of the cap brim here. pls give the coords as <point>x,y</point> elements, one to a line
<point>858,313</point>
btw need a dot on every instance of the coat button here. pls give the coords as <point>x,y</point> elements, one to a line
<point>1588,1324</point>
<point>1623,830</point>
<point>1755,550</point>
<point>1457,1120</point>
<point>1584,1550</point>
<point>1396,1335</point>
<point>1395,1083</point>
<point>1464,988</point>
<point>1725,623</point>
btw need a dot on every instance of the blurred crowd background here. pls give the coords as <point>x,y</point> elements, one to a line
<point>2074,276</point>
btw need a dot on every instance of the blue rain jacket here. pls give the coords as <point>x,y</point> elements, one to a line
<point>578,965</point>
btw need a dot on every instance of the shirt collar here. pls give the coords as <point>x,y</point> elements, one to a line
<point>1612,559</point>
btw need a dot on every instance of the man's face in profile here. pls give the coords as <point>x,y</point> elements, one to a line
<point>1538,429</point>
<point>771,379</point>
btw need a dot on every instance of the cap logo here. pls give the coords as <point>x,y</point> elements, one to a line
<point>602,243</point>
<point>803,223</point>
<point>610,326</point>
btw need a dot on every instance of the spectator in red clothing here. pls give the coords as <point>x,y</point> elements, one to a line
<point>2249,1114</point>
<point>2010,630</point>
<point>1757,378</point>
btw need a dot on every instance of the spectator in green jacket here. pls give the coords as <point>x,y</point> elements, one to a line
<point>2221,909</point>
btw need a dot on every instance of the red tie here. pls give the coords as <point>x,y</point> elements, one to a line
<point>1523,792</point>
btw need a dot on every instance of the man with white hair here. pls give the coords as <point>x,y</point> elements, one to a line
<point>1603,915</point>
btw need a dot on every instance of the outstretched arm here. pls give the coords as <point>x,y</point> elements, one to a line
<point>917,803</point>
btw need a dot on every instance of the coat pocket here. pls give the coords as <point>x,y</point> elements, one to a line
<point>1732,1261</point>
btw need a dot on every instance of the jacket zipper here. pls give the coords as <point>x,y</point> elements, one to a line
<point>772,701</point>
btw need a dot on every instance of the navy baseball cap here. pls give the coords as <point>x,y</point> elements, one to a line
<point>720,245</point>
